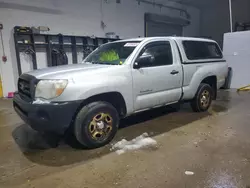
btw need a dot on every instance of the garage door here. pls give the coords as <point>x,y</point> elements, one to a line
<point>161,25</point>
<point>161,29</point>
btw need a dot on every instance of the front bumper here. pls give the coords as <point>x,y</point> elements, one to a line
<point>52,117</point>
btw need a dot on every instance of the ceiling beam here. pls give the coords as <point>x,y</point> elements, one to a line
<point>194,3</point>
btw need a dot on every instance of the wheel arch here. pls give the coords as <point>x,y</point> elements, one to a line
<point>212,81</point>
<point>191,89</point>
<point>114,98</point>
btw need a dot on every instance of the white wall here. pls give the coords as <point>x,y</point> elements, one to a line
<point>215,19</point>
<point>236,52</point>
<point>78,17</point>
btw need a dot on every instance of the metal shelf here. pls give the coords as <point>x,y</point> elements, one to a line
<point>87,43</point>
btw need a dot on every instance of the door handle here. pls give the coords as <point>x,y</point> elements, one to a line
<point>174,72</point>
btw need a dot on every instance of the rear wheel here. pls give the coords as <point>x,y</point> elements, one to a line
<point>96,124</point>
<point>203,98</point>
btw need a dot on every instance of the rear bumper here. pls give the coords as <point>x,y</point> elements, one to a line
<point>53,117</point>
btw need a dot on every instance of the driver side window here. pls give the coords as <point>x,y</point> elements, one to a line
<point>160,53</point>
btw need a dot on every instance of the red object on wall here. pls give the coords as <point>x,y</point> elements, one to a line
<point>4,58</point>
<point>10,94</point>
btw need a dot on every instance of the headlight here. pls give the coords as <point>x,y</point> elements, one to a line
<point>49,89</point>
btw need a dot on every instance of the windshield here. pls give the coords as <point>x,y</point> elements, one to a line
<point>112,53</point>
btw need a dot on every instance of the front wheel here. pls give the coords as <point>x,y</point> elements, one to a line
<point>203,98</point>
<point>96,124</point>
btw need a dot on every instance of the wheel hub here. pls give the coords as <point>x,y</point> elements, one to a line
<point>205,98</point>
<point>101,125</point>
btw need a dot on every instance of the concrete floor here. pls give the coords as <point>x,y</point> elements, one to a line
<point>214,145</point>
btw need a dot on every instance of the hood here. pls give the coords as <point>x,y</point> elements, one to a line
<point>66,71</point>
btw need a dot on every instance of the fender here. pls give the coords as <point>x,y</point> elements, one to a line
<point>109,84</point>
<point>194,74</point>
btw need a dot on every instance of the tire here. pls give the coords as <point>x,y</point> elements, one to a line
<point>203,98</point>
<point>92,121</point>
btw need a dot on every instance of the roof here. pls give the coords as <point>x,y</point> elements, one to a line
<point>169,37</point>
<point>133,39</point>
<point>193,39</point>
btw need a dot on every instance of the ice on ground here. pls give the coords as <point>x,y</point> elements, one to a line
<point>41,101</point>
<point>142,141</point>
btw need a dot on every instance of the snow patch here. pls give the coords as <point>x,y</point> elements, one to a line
<point>142,141</point>
<point>189,173</point>
<point>41,101</point>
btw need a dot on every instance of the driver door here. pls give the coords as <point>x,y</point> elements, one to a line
<point>158,81</point>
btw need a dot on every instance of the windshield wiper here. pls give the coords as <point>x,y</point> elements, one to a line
<point>103,63</point>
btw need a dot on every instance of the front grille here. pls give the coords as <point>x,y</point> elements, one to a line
<point>26,86</point>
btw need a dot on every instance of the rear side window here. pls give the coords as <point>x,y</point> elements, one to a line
<point>201,50</point>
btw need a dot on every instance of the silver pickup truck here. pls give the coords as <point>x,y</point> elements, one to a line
<point>119,79</point>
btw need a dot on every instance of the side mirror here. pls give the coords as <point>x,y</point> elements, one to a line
<point>143,61</point>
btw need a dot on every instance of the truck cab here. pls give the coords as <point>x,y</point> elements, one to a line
<point>117,80</point>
